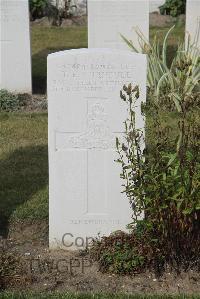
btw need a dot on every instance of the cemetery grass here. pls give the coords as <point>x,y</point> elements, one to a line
<point>46,40</point>
<point>23,168</point>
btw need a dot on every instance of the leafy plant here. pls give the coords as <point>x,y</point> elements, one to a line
<point>120,253</point>
<point>181,77</point>
<point>173,8</point>
<point>163,180</point>
<point>37,7</point>
<point>161,171</point>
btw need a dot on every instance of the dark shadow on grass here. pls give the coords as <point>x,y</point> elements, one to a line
<point>22,174</point>
<point>39,69</point>
<point>171,50</point>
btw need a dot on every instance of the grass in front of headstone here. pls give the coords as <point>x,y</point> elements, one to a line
<point>23,168</point>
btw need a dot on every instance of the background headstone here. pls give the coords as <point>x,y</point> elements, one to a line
<point>15,58</point>
<point>193,20</point>
<point>107,19</point>
<point>85,116</point>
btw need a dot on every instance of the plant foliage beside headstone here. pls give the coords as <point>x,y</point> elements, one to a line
<point>11,102</point>
<point>161,181</point>
<point>181,76</point>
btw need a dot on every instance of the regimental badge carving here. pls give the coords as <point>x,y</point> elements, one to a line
<point>98,132</point>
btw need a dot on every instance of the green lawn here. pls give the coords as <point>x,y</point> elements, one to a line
<point>92,296</point>
<point>23,167</point>
<point>47,40</point>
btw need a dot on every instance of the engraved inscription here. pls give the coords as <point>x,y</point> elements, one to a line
<point>96,77</point>
<point>94,221</point>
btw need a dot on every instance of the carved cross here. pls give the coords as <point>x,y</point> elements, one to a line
<point>99,144</point>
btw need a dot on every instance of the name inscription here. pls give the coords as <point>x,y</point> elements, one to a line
<point>92,77</point>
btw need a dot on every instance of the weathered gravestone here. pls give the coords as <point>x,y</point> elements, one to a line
<point>85,116</point>
<point>15,58</point>
<point>108,19</point>
<point>193,21</point>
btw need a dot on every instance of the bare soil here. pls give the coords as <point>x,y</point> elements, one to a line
<point>34,103</point>
<point>39,269</point>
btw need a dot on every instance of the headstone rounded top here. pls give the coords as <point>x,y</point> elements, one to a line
<point>97,51</point>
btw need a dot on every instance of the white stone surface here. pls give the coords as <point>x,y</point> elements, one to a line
<point>107,19</point>
<point>193,20</point>
<point>85,116</point>
<point>15,58</point>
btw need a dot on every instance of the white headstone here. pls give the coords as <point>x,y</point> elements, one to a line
<point>108,19</point>
<point>15,58</point>
<point>85,116</point>
<point>193,21</point>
